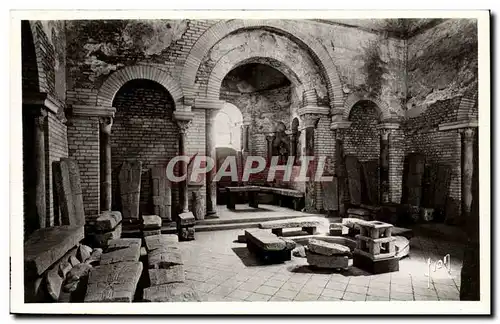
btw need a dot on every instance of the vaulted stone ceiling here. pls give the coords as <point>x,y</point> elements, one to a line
<point>400,27</point>
<point>254,77</point>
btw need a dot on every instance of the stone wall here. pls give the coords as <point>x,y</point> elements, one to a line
<point>362,139</point>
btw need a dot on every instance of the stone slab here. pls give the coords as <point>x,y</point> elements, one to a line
<point>53,283</point>
<point>265,240</point>
<point>115,282</point>
<point>75,275</point>
<point>354,179</point>
<point>375,266</point>
<point>186,233</point>
<point>162,193</point>
<point>402,246</point>
<point>164,258</point>
<point>352,222</point>
<point>359,211</point>
<point>291,223</point>
<point>173,292</point>
<point>122,250</point>
<point>69,192</point>
<point>330,195</point>
<point>242,238</point>
<point>151,222</point>
<point>83,252</point>
<point>414,179</point>
<point>159,241</point>
<point>151,232</point>
<point>95,256</point>
<point>337,229</point>
<point>164,276</point>
<point>101,239</point>
<point>186,219</point>
<point>129,180</point>
<point>327,248</point>
<point>47,245</point>
<point>371,180</point>
<point>330,262</point>
<point>107,221</point>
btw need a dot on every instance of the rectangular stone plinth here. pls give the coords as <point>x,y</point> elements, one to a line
<point>164,258</point>
<point>186,219</point>
<point>291,223</point>
<point>69,192</point>
<point>173,292</point>
<point>325,261</point>
<point>159,241</point>
<point>375,266</point>
<point>47,245</point>
<point>102,238</point>
<point>164,276</point>
<point>115,282</point>
<point>151,222</point>
<point>376,248</point>
<point>122,250</point>
<point>186,233</point>
<point>151,232</point>
<point>337,229</point>
<point>375,229</point>
<point>265,240</point>
<point>107,221</point>
<point>327,248</point>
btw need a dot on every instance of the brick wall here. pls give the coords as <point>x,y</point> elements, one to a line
<point>324,145</point>
<point>396,165</point>
<point>83,146</point>
<point>422,136</point>
<point>143,130</point>
<point>362,138</point>
<point>196,145</point>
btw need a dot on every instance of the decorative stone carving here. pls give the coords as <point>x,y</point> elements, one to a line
<point>69,192</point>
<point>162,193</point>
<point>130,187</point>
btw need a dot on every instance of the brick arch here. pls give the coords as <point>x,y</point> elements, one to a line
<point>117,79</point>
<point>220,30</point>
<point>236,57</point>
<point>382,108</point>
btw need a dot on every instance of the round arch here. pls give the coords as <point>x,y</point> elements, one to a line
<point>227,123</point>
<point>382,108</point>
<point>117,79</point>
<point>224,28</point>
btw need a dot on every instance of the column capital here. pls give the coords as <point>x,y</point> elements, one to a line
<point>183,125</point>
<point>247,120</point>
<point>270,136</point>
<point>44,100</point>
<point>106,122</point>
<point>468,133</point>
<point>39,116</point>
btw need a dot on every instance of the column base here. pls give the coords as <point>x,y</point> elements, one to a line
<point>211,215</point>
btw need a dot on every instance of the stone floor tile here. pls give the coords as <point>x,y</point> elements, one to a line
<point>332,293</point>
<point>353,296</point>
<point>258,297</point>
<point>376,298</point>
<point>256,280</point>
<point>298,279</point>
<point>213,298</point>
<point>339,278</point>
<point>222,290</point>
<point>401,296</point>
<point>425,297</point>
<point>379,285</point>
<point>249,286</point>
<point>336,285</point>
<point>303,296</point>
<point>267,290</point>
<point>274,283</point>
<point>231,299</point>
<point>292,285</point>
<point>234,283</point>
<point>402,289</point>
<point>319,282</point>
<point>356,289</point>
<point>203,286</point>
<point>285,293</point>
<point>359,281</point>
<point>312,289</point>
<point>328,298</point>
<point>239,294</point>
<point>424,291</point>
<point>378,292</point>
<point>281,276</point>
<point>278,299</point>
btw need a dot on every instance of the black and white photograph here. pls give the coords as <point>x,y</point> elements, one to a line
<point>259,163</point>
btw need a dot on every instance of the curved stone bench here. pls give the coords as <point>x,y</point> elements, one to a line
<point>268,247</point>
<point>253,192</point>
<point>307,224</point>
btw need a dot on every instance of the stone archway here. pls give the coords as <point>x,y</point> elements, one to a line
<point>117,79</point>
<point>354,98</point>
<point>224,28</point>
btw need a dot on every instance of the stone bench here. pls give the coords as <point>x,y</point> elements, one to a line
<point>253,192</point>
<point>154,242</point>
<point>115,282</point>
<point>268,247</point>
<point>307,224</point>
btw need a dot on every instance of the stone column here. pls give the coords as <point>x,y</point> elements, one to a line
<point>40,119</point>
<point>183,127</point>
<point>270,138</point>
<point>105,124</point>
<point>309,124</point>
<point>385,130</point>
<point>468,135</point>
<point>211,186</point>
<point>339,127</point>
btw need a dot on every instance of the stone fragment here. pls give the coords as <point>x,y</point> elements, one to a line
<point>323,261</point>
<point>53,283</point>
<point>123,243</point>
<point>115,282</point>
<point>359,211</point>
<point>47,245</point>
<point>371,180</point>
<point>108,220</point>
<point>291,223</point>
<point>95,256</point>
<point>122,253</point>
<point>64,268</point>
<point>158,241</point>
<point>327,248</point>
<point>353,223</point>
<point>289,244</point>
<point>151,222</point>
<point>242,238</point>
<point>73,260</point>
<point>101,239</point>
<point>186,219</point>
<point>83,252</point>
<point>164,276</point>
<point>186,234</point>
<point>402,246</point>
<point>129,180</point>
<point>163,258</point>
<point>75,275</point>
<point>69,192</point>
<point>162,193</point>
<point>173,292</point>
<point>337,229</point>
<point>265,240</point>
<point>354,179</point>
<point>299,251</point>
<point>151,232</point>
<point>198,204</point>
<point>330,195</point>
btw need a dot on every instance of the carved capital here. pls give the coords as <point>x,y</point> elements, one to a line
<point>468,134</point>
<point>384,133</point>
<point>183,125</point>
<point>270,137</point>
<point>310,120</point>
<point>106,122</point>
<point>339,133</point>
<point>40,115</point>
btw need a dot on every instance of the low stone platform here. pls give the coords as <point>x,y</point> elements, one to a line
<point>158,241</point>
<point>47,245</point>
<point>115,282</point>
<point>307,224</point>
<point>269,247</point>
<point>122,250</point>
<point>172,274</point>
<point>151,222</point>
<point>172,292</point>
<point>165,257</point>
<point>364,262</point>
<point>327,248</point>
<point>108,220</point>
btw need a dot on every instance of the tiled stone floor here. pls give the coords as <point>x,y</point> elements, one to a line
<point>223,270</point>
